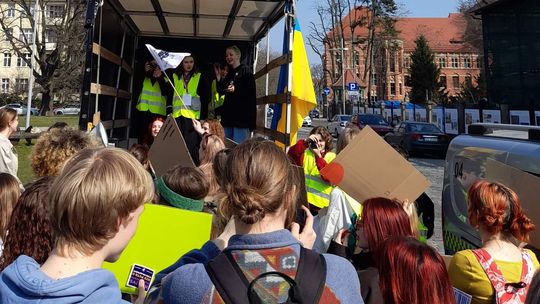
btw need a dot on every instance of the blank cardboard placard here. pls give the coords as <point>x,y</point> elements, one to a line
<point>164,234</point>
<point>369,167</point>
<point>169,149</point>
<point>524,184</point>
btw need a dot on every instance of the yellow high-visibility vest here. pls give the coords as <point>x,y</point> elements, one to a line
<point>217,99</point>
<point>318,191</point>
<point>151,98</point>
<point>193,111</point>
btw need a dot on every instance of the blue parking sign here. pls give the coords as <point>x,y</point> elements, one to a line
<point>352,86</point>
<point>326,91</point>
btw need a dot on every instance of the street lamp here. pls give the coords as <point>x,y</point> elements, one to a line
<point>342,49</point>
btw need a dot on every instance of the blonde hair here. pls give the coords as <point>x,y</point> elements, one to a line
<point>55,147</point>
<point>410,209</point>
<point>346,137</point>
<point>235,49</point>
<point>96,189</point>
<point>7,115</point>
<point>210,145</point>
<point>258,181</point>
<point>9,194</point>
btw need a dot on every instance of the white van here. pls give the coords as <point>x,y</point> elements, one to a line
<point>471,157</point>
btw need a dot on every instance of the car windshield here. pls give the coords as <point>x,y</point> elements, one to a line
<point>344,117</point>
<point>424,128</point>
<point>373,120</point>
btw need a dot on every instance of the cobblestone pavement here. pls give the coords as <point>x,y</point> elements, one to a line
<point>431,167</point>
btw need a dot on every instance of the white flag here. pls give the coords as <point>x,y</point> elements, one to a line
<point>166,60</point>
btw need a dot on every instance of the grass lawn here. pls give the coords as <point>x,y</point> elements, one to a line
<point>24,151</point>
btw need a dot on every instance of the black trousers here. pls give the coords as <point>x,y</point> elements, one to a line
<point>191,137</point>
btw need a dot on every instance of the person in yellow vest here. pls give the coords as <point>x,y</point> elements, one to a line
<point>217,97</point>
<point>190,101</point>
<point>313,154</point>
<point>152,101</point>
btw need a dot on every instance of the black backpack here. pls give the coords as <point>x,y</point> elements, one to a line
<point>234,288</point>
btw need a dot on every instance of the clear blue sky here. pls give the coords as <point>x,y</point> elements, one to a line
<point>306,14</point>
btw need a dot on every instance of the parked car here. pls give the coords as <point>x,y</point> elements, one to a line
<point>375,121</point>
<point>338,123</point>
<point>416,137</point>
<point>68,110</point>
<point>21,109</point>
<point>314,113</point>
<point>498,152</point>
<point>307,122</point>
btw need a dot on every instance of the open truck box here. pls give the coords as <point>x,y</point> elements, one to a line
<point>117,31</point>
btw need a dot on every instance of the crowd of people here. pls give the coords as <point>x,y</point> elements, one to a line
<point>193,97</point>
<point>267,244</point>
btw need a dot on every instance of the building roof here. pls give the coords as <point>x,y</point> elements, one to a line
<point>443,34</point>
<point>484,4</point>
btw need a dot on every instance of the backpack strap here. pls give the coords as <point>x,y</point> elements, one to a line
<point>311,275</point>
<point>233,286</point>
<point>506,292</point>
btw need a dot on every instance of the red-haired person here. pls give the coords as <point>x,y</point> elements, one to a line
<point>313,153</point>
<point>153,131</point>
<point>500,270</point>
<point>381,218</point>
<point>412,272</point>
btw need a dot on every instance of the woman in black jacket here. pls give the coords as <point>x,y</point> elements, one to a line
<point>238,113</point>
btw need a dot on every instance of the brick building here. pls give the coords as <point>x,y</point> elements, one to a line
<point>459,62</point>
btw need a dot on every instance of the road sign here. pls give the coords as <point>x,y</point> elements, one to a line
<point>352,93</point>
<point>326,91</point>
<point>352,86</point>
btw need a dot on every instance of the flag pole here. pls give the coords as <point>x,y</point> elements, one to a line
<point>290,21</point>
<point>175,91</point>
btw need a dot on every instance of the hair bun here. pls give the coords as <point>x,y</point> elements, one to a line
<point>247,204</point>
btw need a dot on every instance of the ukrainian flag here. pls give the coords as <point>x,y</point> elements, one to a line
<point>302,91</point>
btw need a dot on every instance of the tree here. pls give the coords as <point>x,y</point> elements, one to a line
<point>424,72</point>
<point>59,41</point>
<point>378,16</point>
<point>273,76</point>
<point>471,94</point>
<point>473,27</point>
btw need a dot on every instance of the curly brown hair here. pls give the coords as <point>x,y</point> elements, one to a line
<point>326,136</point>
<point>30,234</point>
<point>55,147</point>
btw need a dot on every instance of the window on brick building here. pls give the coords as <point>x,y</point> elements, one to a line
<point>374,79</point>
<point>468,80</point>
<point>21,62</point>
<point>454,62</point>
<point>408,80</point>
<point>442,62</point>
<point>4,88</point>
<point>21,84</point>
<point>407,62</point>
<point>11,10</point>
<point>467,62</point>
<point>392,88</point>
<point>442,81</point>
<point>392,61</point>
<point>7,60</point>
<point>50,36</point>
<point>400,88</point>
<point>455,81</point>
<point>356,59</point>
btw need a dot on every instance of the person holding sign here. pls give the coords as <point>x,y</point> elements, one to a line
<point>190,101</point>
<point>239,110</point>
<point>261,196</point>
<point>500,270</point>
<point>95,205</point>
<point>313,154</point>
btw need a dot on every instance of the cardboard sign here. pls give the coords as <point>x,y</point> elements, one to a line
<point>164,234</point>
<point>169,149</point>
<point>524,184</point>
<point>369,167</point>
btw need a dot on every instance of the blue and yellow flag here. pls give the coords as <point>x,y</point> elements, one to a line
<point>302,91</point>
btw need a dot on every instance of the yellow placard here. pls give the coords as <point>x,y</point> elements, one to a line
<point>164,234</point>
